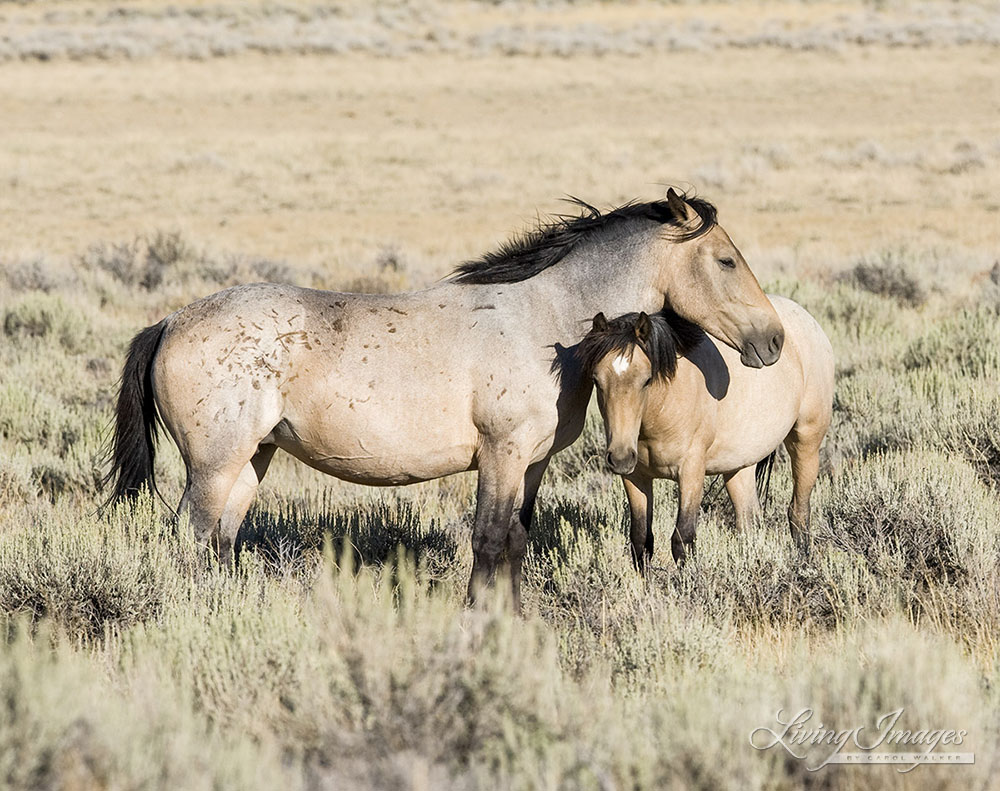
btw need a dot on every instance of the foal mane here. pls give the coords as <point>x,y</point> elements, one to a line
<point>535,250</point>
<point>669,336</point>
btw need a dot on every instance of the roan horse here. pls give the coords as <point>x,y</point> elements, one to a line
<point>680,417</point>
<point>394,389</point>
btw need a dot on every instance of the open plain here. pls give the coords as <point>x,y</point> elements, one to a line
<point>153,153</point>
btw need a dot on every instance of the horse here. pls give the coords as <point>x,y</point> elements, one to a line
<point>677,404</point>
<point>394,389</point>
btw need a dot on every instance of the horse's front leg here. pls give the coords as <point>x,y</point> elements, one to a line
<point>639,491</point>
<point>517,536</point>
<point>691,486</point>
<point>499,495</point>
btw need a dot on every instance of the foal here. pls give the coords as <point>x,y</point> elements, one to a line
<point>677,404</point>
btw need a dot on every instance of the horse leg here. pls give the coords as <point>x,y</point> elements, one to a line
<point>803,448</point>
<point>742,488</point>
<point>216,497</point>
<point>639,491</point>
<point>517,536</point>
<point>240,497</point>
<point>691,486</point>
<point>500,486</point>
<point>206,495</point>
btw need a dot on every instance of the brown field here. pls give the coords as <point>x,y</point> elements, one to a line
<point>322,160</point>
<point>152,153</point>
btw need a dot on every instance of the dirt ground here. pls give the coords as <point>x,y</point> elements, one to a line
<point>325,160</point>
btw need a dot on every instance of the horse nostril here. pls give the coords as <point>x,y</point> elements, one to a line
<point>776,343</point>
<point>610,459</point>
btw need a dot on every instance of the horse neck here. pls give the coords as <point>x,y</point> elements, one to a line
<point>614,274</point>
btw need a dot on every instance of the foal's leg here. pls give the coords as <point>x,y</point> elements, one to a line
<point>639,491</point>
<point>517,536</point>
<point>803,448</point>
<point>691,487</point>
<point>500,490</point>
<point>240,497</point>
<point>742,488</point>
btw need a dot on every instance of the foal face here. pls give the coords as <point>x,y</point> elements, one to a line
<point>623,380</point>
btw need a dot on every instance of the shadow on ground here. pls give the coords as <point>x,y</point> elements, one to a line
<point>374,531</point>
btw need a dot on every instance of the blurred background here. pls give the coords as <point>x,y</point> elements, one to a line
<point>346,139</point>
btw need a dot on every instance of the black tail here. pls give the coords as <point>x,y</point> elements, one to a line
<point>133,446</point>
<point>763,477</point>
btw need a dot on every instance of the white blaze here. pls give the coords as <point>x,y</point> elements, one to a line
<point>621,363</point>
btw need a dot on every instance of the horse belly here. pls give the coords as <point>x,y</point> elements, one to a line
<point>379,441</point>
<point>751,424</point>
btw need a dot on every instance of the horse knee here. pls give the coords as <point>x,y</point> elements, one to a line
<point>488,544</point>
<point>517,542</point>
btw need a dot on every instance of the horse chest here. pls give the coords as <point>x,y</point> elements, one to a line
<point>663,459</point>
<point>673,430</point>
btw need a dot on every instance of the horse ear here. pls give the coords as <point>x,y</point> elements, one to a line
<point>642,328</point>
<point>600,323</point>
<point>678,206</point>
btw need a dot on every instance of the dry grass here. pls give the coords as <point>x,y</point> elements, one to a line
<point>859,177</point>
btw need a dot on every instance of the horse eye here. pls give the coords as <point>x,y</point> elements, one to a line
<point>727,263</point>
<point>648,382</point>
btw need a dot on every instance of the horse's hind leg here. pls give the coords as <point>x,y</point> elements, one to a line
<point>205,497</point>
<point>639,491</point>
<point>742,488</point>
<point>240,497</point>
<point>217,498</point>
<point>803,448</point>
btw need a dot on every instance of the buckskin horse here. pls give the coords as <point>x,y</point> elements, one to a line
<point>676,404</point>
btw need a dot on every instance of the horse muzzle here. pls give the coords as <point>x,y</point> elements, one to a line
<point>763,349</point>
<point>622,462</point>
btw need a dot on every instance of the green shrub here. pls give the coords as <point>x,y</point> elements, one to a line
<point>887,278</point>
<point>40,317</point>
<point>919,515</point>
<point>967,342</point>
<point>143,262</point>
<point>66,725</point>
<point>35,420</point>
<point>90,574</point>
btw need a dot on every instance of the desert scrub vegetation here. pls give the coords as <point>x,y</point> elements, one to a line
<point>339,653</point>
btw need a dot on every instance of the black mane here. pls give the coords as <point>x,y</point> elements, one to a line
<point>669,337</point>
<point>528,254</point>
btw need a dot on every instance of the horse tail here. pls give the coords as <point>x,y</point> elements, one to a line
<point>133,444</point>
<point>763,476</point>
